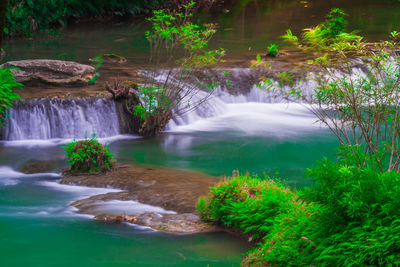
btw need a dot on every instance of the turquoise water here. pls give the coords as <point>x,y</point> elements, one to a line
<point>37,228</point>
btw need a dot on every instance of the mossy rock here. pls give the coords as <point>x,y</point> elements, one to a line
<point>108,58</point>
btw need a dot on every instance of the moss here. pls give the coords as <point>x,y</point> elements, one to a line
<point>109,58</point>
<point>131,84</point>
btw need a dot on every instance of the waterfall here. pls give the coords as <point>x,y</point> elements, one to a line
<point>54,118</point>
<point>248,103</point>
<point>247,108</point>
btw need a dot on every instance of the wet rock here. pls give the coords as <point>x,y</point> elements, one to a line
<point>51,72</point>
<point>186,223</point>
<point>40,167</point>
<point>109,58</point>
<point>170,189</point>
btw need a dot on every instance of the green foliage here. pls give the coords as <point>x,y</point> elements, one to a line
<point>362,110</point>
<point>24,17</point>
<point>269,212</point>
<point>7,95</point>
<point>173,30</point>
<point>350,217</point>
<point>335,24</point>
<point>181,47</point>
<point>359,222</point>
<point>272,50</point>
<point>89,156</point>
<point>98,60</point>
<point>153,101</point>
<point>395,37</point>
<point>327,36</point>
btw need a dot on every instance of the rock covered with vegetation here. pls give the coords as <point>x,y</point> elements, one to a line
<point>89,156</point>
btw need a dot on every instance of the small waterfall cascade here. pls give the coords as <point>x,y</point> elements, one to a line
<point>248,99</point>
<point>39,119</point>
<point>223,99</point>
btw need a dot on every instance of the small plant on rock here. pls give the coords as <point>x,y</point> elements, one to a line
<point>327,36</point>
<point>89,155</point>
<point>272,50</point>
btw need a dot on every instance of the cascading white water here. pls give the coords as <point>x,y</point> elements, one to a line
<point>255,109</point>
<point>55,118</point>
<point>250,109</point>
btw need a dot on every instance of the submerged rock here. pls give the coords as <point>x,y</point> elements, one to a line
<point>169,189</point>
<point>37,166</point>
<point>51,71</point>
<point>186,223</point>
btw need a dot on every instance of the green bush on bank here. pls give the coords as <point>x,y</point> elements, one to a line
<point>7,95</point>
<point>360,220</point>
<point>350,217</point>
<point>269,212</point>
<point>89,156</point>
<point>27,16</point>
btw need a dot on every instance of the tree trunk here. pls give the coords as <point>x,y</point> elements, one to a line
<point>3,10</point>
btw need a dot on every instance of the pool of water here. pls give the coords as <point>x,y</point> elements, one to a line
<point>244,29</point>
<point>38,228</point>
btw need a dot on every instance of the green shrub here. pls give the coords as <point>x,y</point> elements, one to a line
<point>272,50</point>
<point>270,213</point>
<point>89,156</point>
<point>7,95</point>
<point>29,16</point>
<point>359,224</point>
<point>326,36</point>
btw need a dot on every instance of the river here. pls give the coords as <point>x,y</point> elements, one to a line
<point>37,226</point>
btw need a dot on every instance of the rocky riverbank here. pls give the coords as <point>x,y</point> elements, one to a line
<point>172,190</point>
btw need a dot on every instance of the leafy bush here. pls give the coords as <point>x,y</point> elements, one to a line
<point>269,212</point>
<point>28,16</point>
<point>326,36</point>
<point>89,156</point>
<point>181,45</point>
<point>350,217</point>
<point>7,95</point>
<point>360,108</point>
<point>359,224</point>
<point>272,50</point>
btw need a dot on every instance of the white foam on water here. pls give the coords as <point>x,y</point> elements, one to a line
<point>254,118</point>
<point>60,211</point>
<point>59,141</point>
<point>77,190</point>
<point>10,177</point>
<point>141,227</point>
<point>118,207</point>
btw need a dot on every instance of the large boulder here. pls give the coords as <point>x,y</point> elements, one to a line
<point>51,71</point>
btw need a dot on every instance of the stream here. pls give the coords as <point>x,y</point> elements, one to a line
<point>247,132</point>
